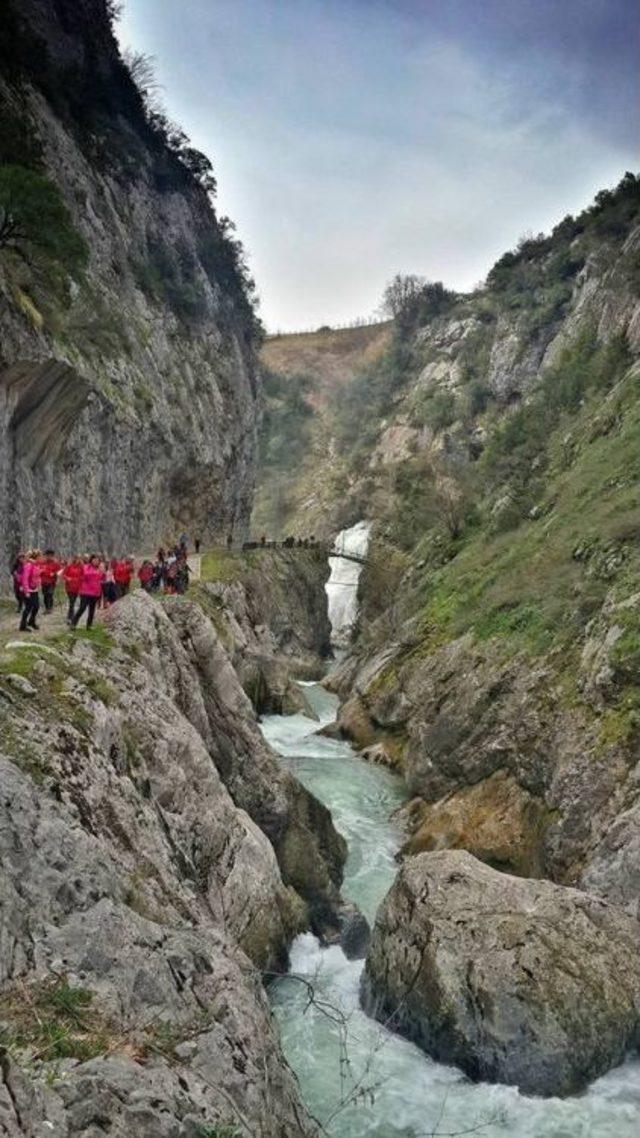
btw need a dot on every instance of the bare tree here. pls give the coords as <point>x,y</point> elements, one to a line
<point>142,69</point>
<point>400,293</point>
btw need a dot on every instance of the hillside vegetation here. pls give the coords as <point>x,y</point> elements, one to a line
<point>304,376</point>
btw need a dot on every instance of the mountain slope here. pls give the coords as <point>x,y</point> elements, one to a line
<point>303,377</point>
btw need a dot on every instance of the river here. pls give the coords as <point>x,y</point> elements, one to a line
<point>363,1081</point>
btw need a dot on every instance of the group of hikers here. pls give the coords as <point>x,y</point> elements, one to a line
<point>288,543</point>
<point>93,581</point>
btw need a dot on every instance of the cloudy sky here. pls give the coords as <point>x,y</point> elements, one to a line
<point>353,139</point>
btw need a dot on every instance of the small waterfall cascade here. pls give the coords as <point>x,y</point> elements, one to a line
<point>342,586</point>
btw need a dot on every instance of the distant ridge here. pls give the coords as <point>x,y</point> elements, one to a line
<point>361,322</point>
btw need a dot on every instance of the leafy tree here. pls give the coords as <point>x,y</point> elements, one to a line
<point>433,494</point>
<point>34,220</point>
<point>412,300</point>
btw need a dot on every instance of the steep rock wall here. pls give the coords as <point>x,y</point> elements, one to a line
<point>274,622</point>
<point>154,856</point>
<point>497,657</point>
<point>128,393</point>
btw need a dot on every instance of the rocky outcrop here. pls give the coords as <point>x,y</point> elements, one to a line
<point>154,854</point>
<point>502,762</point>
<point>515,981</point>
<point>496,820</point>
<point>273,620</point>
<point>128,390</point>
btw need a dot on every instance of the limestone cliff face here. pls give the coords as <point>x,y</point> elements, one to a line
<point>154,858</point>
<point>273,620</point>
<point>128,392</point>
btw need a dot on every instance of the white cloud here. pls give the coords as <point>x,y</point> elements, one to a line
<point>348,146</point>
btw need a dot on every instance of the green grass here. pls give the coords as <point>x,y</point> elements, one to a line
<point>218,565</point>
<point>52,1020</point>
<point>98,637</point>
<point>102,690</point>
<point>536,586</point>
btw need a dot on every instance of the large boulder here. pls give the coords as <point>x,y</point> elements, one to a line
<point>516,981</point>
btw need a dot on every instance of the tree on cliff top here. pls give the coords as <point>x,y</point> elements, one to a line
<point>35,222</point>
<point>411,300</point>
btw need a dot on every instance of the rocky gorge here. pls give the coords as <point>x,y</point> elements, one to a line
<point>494,666</point>
<point>193,835</point>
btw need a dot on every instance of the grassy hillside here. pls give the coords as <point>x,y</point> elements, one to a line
<point>303,378</point>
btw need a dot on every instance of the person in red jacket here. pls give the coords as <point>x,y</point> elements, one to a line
<point>49,569</point>
<point>72,576</point>
<point>123,572</point>
<point>90,590</point>
<point>30,584</point>
<point>145,575</point>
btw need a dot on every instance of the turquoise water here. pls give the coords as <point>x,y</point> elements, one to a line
<point>358,1079</point>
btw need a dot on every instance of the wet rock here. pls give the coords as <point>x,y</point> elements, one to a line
<point>382,754</point>
<point>331,731</point>
<point>495,820</point>
<point>355,723</point>
<point>352,932</point>
<point>355,933</point>
<point>516,981</point>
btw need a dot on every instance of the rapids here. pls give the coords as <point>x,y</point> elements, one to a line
<point>359,1079</point>
<point>399,1092</point>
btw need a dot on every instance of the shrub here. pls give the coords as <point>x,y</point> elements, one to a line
<point>35,221</point>
<point>478,398</point>
<point>434,409</point>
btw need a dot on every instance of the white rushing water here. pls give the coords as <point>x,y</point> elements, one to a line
<point>342,586</point>
<point>411,1095</point>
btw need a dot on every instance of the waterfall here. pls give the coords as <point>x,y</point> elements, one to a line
<point>342,586</point>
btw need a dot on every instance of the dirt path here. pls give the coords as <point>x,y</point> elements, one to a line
<point>49,625</point>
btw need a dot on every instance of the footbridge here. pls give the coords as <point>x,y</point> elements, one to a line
<point>357,557</point>
<point>303,545</point>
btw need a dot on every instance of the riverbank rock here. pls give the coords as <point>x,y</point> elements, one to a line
<point>515,981</point>
<point>355,932</point>
<point>154,859</point>
<point>495,820</point>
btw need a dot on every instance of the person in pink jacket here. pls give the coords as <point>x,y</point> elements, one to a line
<point>90,590</point>
<point>30,585</point>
